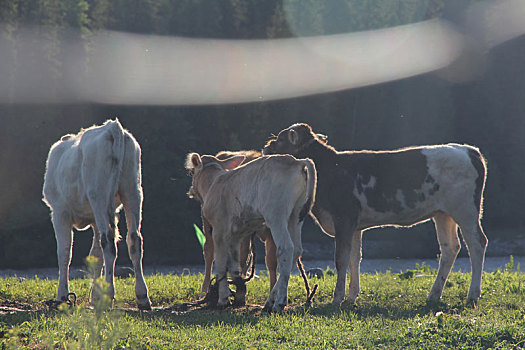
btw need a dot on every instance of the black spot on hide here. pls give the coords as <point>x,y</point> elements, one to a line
<point>399,177</point>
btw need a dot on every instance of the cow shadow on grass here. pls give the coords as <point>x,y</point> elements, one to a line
<point>392,311</point>
<point>202,316</point>
<point>252,314</point>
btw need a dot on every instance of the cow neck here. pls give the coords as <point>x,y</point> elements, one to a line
<point>213,171</point>
<point>318,152</point>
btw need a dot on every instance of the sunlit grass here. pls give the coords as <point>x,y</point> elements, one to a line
<point>391,312</point>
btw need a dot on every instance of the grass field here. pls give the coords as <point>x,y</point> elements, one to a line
<point>391,313</point>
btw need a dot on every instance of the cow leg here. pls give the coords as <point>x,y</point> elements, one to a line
<point>342,261</point>
<point>271,259</point>
<point>235,270</point>
<point>285,250</point>
<point>294,228</point>
<point>109,249</point>
<point>207,251</point>
<point>476,242</point>
<point>132,207</point>
<point>344,237</point>
<point>96,268</point>
<point>244,252</point>
<point>355,266</point>
<point>96,251</point>
<point>449,245</point>
<point>64,237</point>
<point>221,267</point>
<point>105,223</point>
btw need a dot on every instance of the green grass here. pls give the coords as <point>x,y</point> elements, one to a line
<point>391,313</point>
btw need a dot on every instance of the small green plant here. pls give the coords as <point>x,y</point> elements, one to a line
<point>97,328</point>
<point>407,274</point>
<point>200,235</point>
<point>423,268</point>
<point>509,267</point>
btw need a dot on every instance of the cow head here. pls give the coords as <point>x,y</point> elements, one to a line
<point>292,140</point>
<point>204,169</point>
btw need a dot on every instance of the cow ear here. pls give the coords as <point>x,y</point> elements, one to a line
<point>293,137</point>
<point>322,138</point>
<point>193,161</point>
<point>233,162</point>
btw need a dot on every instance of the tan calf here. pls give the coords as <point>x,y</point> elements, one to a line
<point>264,235</point>
<point>271,192</point>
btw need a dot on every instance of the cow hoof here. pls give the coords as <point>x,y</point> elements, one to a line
<point>143,302</point>
<point>278,308</point>
<point>336,303</point>
<point>473,296</point>
<point>434,304</point>
<point>239,303</point>
<point>267,307</point>
<point>433,300</point>
<point>338,298</point>
<point>222,306</point>
<point>471,302</point>
<point>349,303</point>
<point>434,296</point>
<point>144,306</point>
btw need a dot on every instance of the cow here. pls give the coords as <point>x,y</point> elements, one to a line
<point>359,190</point>
<point>265,236</point>
<point>89,177</point>
<point>270,192</point>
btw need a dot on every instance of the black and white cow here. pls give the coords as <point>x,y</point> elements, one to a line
<point>358,190</point>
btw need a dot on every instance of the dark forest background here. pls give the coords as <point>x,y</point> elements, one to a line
<point>487,111</point>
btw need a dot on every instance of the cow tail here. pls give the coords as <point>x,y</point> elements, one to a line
<point>311,183</point>
<point>480,164</point>
<point>117,160</point>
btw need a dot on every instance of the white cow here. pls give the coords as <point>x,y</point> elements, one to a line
<point>271,192</point>
<point>89,177</point>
